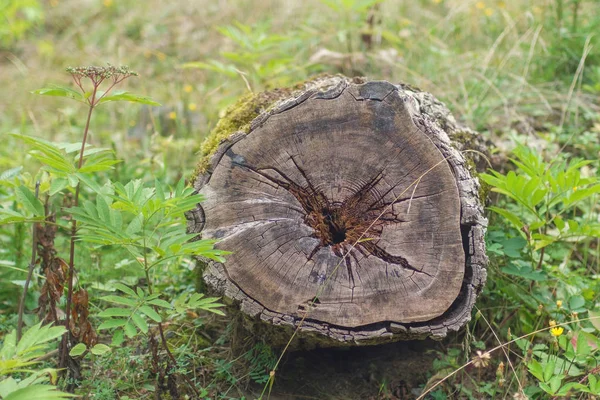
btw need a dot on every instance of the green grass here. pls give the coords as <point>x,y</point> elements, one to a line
<point>521,72</point>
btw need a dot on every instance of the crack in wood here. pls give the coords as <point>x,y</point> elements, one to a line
<point>345,226</point>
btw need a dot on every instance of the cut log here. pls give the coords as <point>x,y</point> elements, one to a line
<point>350,212</point>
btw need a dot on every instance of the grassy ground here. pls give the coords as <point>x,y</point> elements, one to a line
<point>521,72</point>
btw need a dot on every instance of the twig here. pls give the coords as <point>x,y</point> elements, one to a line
<point>66,337</point>
<point>30,272</point>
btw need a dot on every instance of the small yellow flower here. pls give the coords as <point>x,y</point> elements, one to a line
<point>557,331</point>
<point>488,12</point>
<point>161,56</point>
<point>188,88</point>
<point>107,3</point>
<point>54,3</point>
<point>552,323</point>
<point>172,115</point>
<point>480,5</point>
<point>437,1</point>
<point>536,10</point>
<point>192,106</point>
<point>575,188</point>
<point>501,4</point>
<point>559,303</point>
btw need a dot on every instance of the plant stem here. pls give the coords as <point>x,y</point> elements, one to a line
<point>163,339</point>
<point>66,337</point>
<point>29,273</point>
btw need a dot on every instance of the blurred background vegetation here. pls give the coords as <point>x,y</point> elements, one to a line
<point>521,72</point>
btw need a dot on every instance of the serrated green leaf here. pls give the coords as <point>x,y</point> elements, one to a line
<point>10,173</point>
<point>129,97</point>
<point>120,300</point>
<point>38,392</point>
<point>161,303</point>
<point>149,311</point>
<point>118,337</point>
<point>140,292</point>
<point>115,312</point>
<point>59,91</point>
<point>78,350</point>
<point>112,323</point>
<point>89,182</point>
<point>135,225</point>
<point>130,330</point>
<point>37,335</point>
<point>29,201</point>
<point>140,322</point>
<point>73,180</point>
<point>57,185</point>
<point>125,289</point>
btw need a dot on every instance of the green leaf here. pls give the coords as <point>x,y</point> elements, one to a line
<point>573,387</point>
<point>535,368</point>
<point>37,335</point>
<point>57,185</point>
<point>125,289</point>
<point>512,218</point>
<point>555,383</point>
<point>120,300</point>
<point>140,322</point>
<point>100,349</point>
<point>60,91</point>
<point>161,303</point>
<point>149,311</point>
<point>10,173</point>
<point>29,201</point>
<point>78,350</point>
<point>118,338</point>
<point>88,182</point>
<point>559,222</point>
<point>130,330</point>
<point>549,370</point>
<point>50,154</point>
<point>130,97</point>
<point>73,180</point>
<point>135,225</point>
<point>112,323</point>
<point>595,319</point>
<point>38,392</point>
<point>115,312</point>
<point>576,303</point>
<point>583,347</point>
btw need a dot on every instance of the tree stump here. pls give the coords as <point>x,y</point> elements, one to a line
<point>349,210</point>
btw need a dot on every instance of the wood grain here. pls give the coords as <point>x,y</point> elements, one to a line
<point>350,193</point>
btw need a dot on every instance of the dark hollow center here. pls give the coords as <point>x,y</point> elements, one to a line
<point>335,223</point>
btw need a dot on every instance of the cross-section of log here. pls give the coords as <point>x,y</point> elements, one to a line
<point>349,212</point>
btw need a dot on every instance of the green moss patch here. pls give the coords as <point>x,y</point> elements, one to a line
<point>237,118</point>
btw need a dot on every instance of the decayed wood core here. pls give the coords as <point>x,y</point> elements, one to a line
<point>341,196</point>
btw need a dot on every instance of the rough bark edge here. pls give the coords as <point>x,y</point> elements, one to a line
<point>435,120</point>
